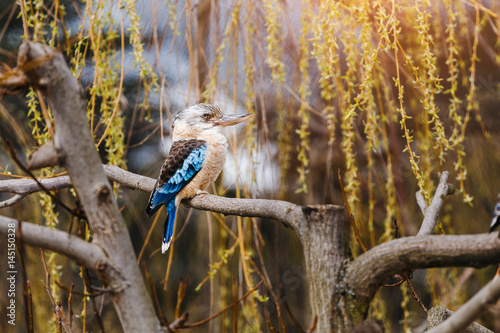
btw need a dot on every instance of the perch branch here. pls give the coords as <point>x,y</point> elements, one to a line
<point>285,212</point>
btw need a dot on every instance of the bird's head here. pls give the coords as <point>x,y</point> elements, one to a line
<point>191,122</point>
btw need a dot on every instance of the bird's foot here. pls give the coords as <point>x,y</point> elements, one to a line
<point>201,193</point>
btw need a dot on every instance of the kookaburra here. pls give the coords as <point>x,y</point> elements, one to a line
<point>195,160</point>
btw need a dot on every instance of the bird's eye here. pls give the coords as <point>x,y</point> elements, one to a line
<point>206,116</point>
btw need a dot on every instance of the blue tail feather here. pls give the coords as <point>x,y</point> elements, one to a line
<point>168,228</point>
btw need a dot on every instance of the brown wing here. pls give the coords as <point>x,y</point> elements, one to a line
<point>179,151</point>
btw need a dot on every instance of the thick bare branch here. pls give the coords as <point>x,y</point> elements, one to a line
<point>58,241</point>
<point>468,312</point>
<point>289,214</point>
<point>366,273</point>
<point>25,186</point>
<point>44,156</point>
<point>431,213</point>
<point>75,147</point>
<point>285,212</point>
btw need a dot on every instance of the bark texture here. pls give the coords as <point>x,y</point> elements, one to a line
<point>47,70</point>
<point>340,288</point>
<point>323,238</point>
<point>367,272</point>
<point>437,316</point>
<point>356,281</point>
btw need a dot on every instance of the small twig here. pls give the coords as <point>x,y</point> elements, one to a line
<point>27,300</point>
<point>292,317</point>
<point>158,309</point>
<point>22,167</point>
<point>204,321</point>
<point>276,297</point>
<point>61,314</point>
<point>313,325</point>
<point>11,201</point>
<point>235,308</point>
<point>268,318</point>
<point>414,294</point>
<point>70,296</point>
<point>45,113</point>
<point>46,285</point>
<point>146,242</point>
<point>396,228</point>
<point>79,293</point>
<point>181,293</point>
<point>179,322</point>
<point>397,276</point>
<point>157,127</point>
<point>351,216</point>
<point>86,280</point>
<point>30,307</point>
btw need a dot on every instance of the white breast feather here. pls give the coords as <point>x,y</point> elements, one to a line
<point>212,166</point>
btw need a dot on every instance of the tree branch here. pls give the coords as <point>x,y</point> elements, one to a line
<point>285,212</point>
<point>468,312</point>
<point>431,213</point>
<point>366,273</point>
<point>58,241</point>
<point>75,148</point>
<point>25,186</point>
<point>11,201</point>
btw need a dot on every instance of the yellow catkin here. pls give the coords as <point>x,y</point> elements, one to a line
<point>404,305</point>
<point>273,59</point>
<point>208,94</point>
<point>414,158</point>
<point>41,134</point>
<point>472,105</point>
<point>325,51</point>
<point>304,92</point>
<point>147,76</point>
<point>250,95</point>
<point>347,81</point>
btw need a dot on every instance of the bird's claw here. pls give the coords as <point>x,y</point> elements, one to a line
<point>201,193</point>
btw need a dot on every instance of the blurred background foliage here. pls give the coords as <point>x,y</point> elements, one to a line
<point>390,92</point>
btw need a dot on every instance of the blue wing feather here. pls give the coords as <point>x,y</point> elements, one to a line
<point>174,182</point>
<point>192,164</point>
<point>190,167</point>
<point>168,227</point>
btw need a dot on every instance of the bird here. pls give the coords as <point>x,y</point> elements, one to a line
<point>196,158</point>
<point>495,222</point>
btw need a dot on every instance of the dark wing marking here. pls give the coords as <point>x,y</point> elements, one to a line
<point>182,164</point>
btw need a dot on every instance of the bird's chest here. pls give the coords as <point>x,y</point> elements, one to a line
<point>212,166</point>
<point>214,160</point>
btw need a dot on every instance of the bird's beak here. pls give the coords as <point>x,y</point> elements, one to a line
<point>232,119</point>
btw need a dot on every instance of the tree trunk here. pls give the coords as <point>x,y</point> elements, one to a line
<point>325,250</point>
<point>73,141</point>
